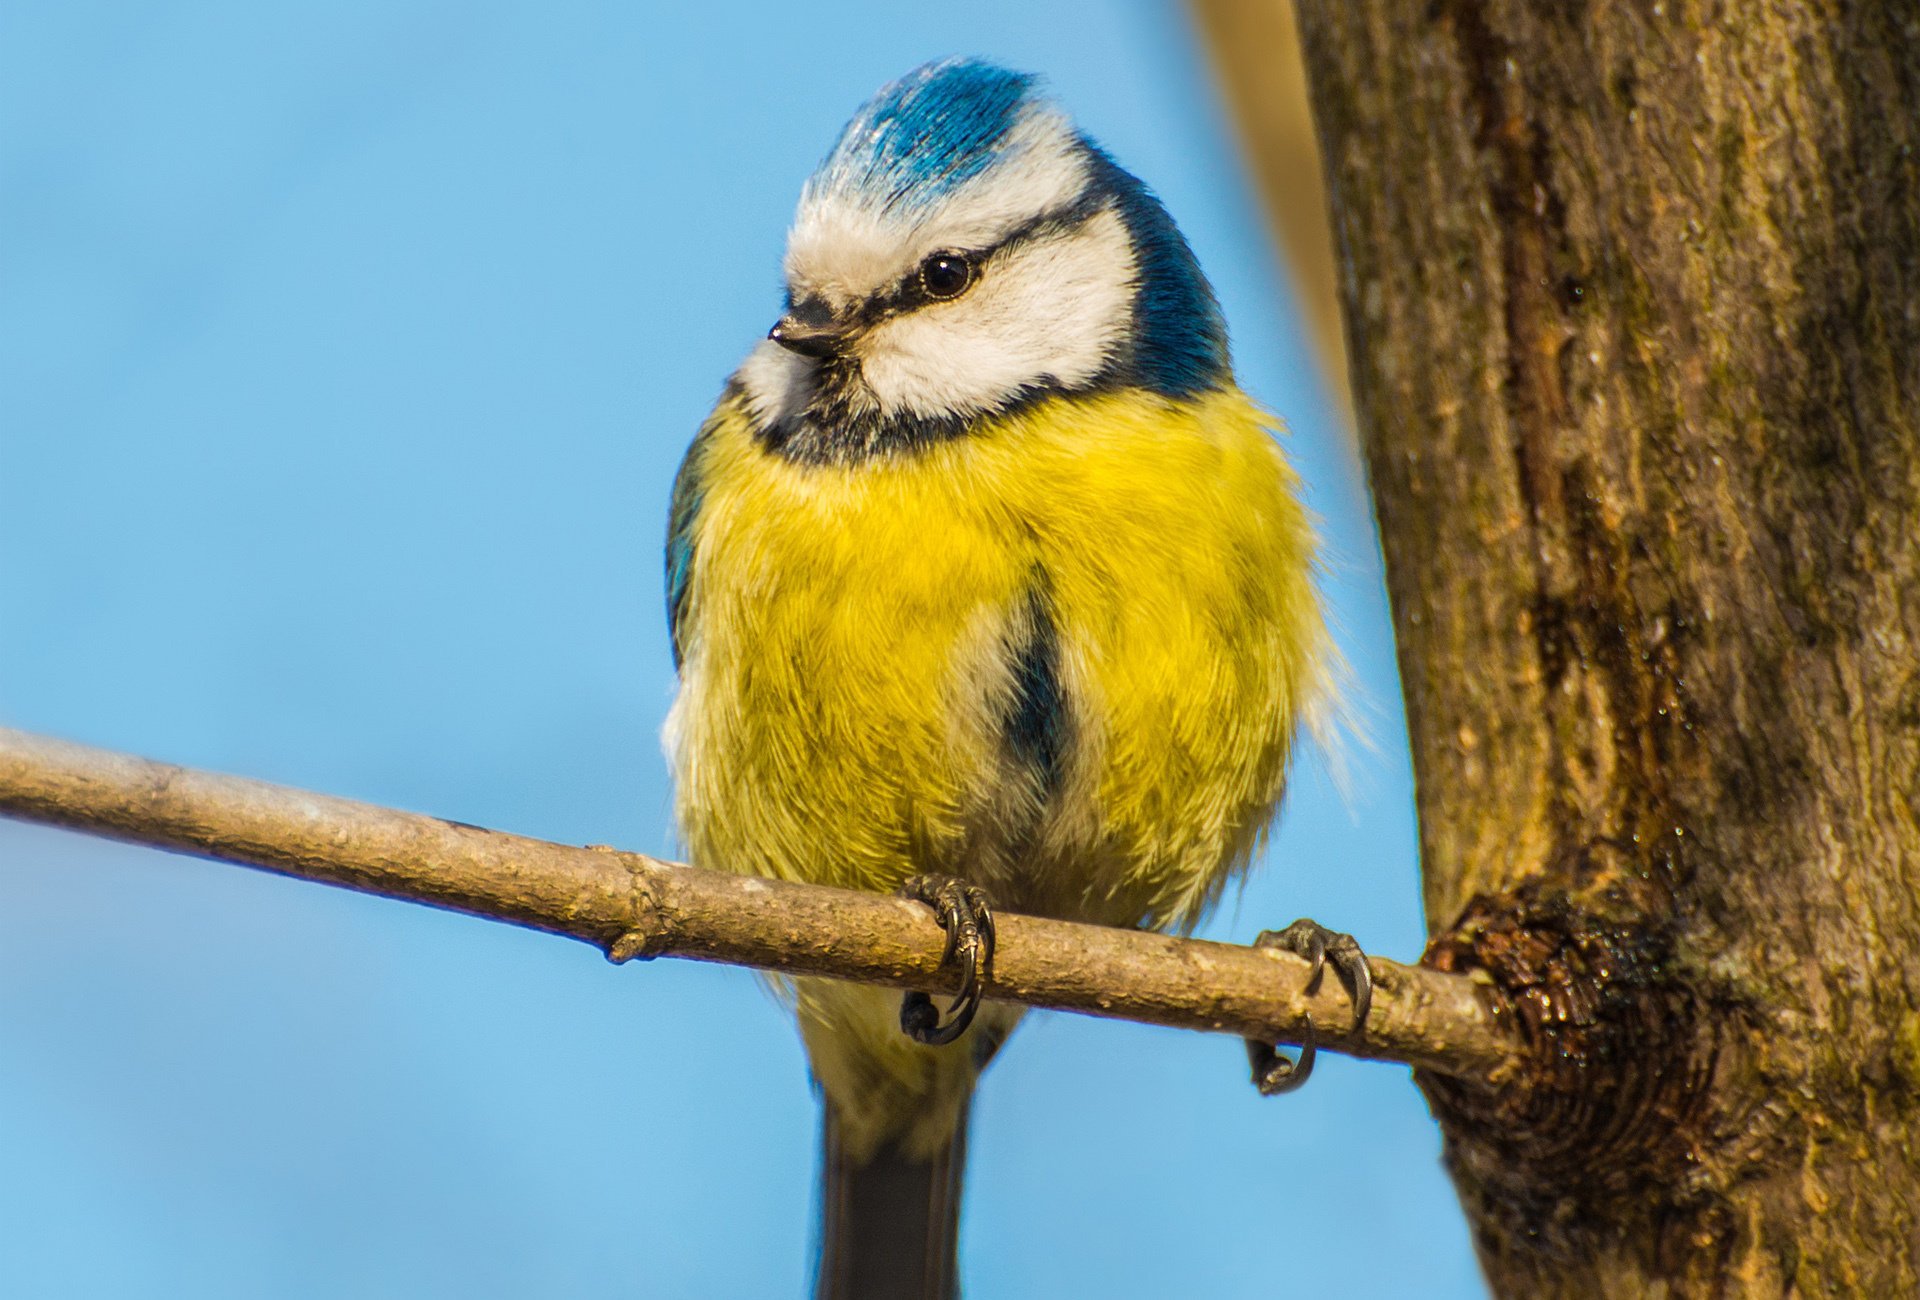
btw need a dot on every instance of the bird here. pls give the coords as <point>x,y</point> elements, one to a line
<point>986,585</point>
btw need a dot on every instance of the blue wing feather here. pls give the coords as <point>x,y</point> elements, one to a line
<point>682,514</point>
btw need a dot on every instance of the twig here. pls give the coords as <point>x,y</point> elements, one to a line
<point>629,905</point>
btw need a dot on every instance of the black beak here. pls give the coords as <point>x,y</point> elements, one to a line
<point>808,340</point>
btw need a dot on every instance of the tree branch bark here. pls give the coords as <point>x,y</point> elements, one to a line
<point>633,906</point>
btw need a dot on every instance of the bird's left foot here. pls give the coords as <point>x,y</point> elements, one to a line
<point>966,916</point>
<point>1273,1073</point>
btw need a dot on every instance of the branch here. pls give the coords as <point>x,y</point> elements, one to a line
<point>629,905</point>
<point>1255,49</point>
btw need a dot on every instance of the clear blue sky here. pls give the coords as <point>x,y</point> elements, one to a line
<point>346,352</point>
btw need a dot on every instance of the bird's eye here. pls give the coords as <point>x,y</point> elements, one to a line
<point>946,274</point>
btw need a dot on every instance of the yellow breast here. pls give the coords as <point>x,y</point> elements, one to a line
<point>850,639</point>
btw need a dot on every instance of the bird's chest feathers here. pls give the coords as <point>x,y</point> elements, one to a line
<point>876,605</point>
<point>1081,636</point>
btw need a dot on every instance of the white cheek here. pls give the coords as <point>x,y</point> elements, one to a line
<point>776,382</point>
<point>1052,311</point>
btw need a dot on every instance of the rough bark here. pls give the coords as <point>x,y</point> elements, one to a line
<point>1633,305</point>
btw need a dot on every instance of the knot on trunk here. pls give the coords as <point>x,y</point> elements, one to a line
<point>1609,1102</point>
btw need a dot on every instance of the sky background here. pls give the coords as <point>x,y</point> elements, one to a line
<point>346,354</point>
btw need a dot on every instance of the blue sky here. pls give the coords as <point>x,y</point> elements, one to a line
<point>346,353</point>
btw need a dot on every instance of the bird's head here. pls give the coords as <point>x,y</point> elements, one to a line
<point>964,250</point>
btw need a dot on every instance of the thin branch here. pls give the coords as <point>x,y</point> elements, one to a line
<point>629,905</point>
<point>1258,66</point>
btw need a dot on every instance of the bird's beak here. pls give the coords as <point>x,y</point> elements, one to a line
<point>808,339</point>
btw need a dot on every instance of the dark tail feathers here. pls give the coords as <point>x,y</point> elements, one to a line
<point>889,1228</point>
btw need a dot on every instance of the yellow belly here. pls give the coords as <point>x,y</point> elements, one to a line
<point>842,715</point>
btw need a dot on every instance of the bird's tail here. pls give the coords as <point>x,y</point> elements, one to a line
<point>890,1224</point>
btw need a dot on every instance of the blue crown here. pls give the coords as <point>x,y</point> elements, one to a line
<point>927,133</point>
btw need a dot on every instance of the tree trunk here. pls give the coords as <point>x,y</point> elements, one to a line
<point>1633,303</point>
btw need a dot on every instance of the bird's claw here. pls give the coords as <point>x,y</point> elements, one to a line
<point>1273,1073</point>
<point>967,917</point>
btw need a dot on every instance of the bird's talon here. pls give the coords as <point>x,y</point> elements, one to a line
<point>967,917</point>
<point>1273,1073</point>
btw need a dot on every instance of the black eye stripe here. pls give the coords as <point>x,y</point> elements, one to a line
<point>1058,221</point>
<point>911,292</point>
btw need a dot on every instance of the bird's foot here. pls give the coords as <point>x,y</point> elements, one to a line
<point>1273,1073</point>
<point>966,916</point>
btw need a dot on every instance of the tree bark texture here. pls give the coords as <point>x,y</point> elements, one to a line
<point>1633,304</point>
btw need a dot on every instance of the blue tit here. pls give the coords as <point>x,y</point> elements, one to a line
<point>983,570</point>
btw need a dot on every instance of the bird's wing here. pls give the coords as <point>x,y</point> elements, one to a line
<point>682,515</point>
